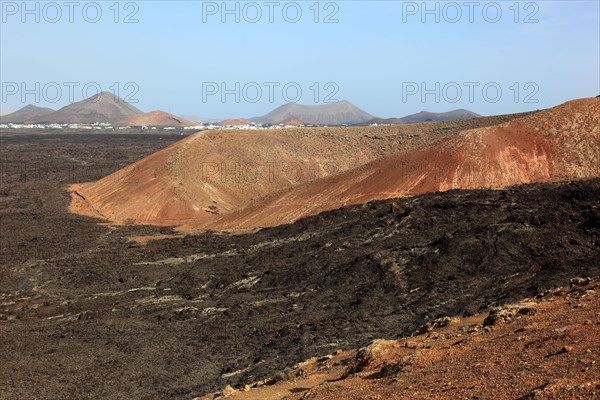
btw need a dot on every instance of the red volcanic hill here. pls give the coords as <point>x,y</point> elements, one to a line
<point>292,121</point>
<point>212,173</point>
<point>212,181</point>
<point>154,118</point>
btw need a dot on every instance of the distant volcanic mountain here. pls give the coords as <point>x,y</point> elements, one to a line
<point>154,118</point>
<point>27,114</point>
<point>102,107</point>
<point>426,116</point>
<point>235,122</point>
<point>340,113</point>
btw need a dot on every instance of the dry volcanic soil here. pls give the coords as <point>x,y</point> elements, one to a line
<point>86,311</point>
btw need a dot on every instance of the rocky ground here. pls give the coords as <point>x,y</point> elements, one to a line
<point>544,347</point>
<point>87,312</point>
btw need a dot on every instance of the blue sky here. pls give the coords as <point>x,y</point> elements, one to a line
<point>388,57</point>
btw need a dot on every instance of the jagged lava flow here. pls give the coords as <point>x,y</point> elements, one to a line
<point>188,184</point>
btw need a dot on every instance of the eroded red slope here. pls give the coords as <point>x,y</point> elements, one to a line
<point>212,173</point>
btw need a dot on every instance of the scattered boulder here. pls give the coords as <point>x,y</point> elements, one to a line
<point>228,391</point>
<point>86,315</point>
<point>580,281</point>
<point>507,314</point>
<point>397,207</point>
<point>436,324</point>
<point>366,355</point>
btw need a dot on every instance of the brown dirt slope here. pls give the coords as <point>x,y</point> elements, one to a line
<point>545,347</point>
<point>552,145</point>
<point>155,118</point>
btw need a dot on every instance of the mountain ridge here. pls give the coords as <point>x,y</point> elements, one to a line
<point>28,114</point>
<point>339,113</point>
<point>428,116</point>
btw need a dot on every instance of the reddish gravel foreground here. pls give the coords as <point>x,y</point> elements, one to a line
<point>546,347</point>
